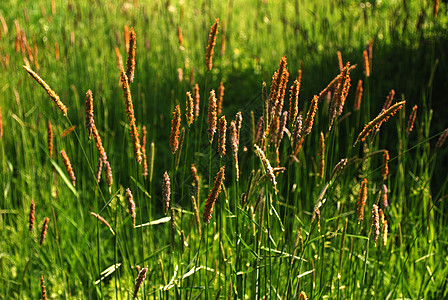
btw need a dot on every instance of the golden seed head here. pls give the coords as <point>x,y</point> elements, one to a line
<point>385,168</point>
<point>166,191</point>
<point>211,45</point>
<point>212,116</point>
<point>208,209</point>
<point>358,96</point>
<point>220,98</point>
<point>366,63</point>
<point>68,167</point>
<point>411,120</point>
<point>44,231</point>
<point>189,114</point>
<point>375,223</point>
<point>361,200</point>
<point>222,136</point>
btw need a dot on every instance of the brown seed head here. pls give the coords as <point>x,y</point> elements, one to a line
<point>442,139</point>
<point>341,63</point>
<point>131,205</point>
<point>294,98</point>
<point>197,99</point>
<point>166,191</point>
<point>222,136</point>
<point>389,99</point>
<point>376,123</point>
<point>99,168</point>
<point>366,63</point>
<point>47,88</point>
<point>310,116</point>
<point>102,220</point>
<point>89,111</point>
<point>32,209</point>
<point>119,59</point>
<point>212,116</point>
<point>385,168</point>
<point>145,160</point>
<point>180,36</point>
<point>361,200</point>
<point>436,8</point>
<point>43,233</point>
<point>50,139</point>
<point>411,120</point>
<point>42,288</point>
<point>194,174</point>
<point>139,281</point>
<point>175,126</point>
<point>108,170</point>
<point>189,113</point>
<point>375,223</point>
<point>211,45</point>
<point>68,167</point>
<point>220,98</point>
<point>321,155</point>
<point>208,209</point>
<point>131,116</point>
<point>277,84</point>
<point>130,65</point>
<point>267,166</point>
<point>303,296</point>
<point>98,142</point>
<point>384,196</point>
<point>358,96</point>
<point>234,145</point>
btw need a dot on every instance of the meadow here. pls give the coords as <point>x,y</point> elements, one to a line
<point>223,149</point>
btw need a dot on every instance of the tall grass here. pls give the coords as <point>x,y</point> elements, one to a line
<point>293,209</point>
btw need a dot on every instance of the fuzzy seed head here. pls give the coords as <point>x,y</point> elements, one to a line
<point>130,65</point>
<point>139,281</point>
<point>166,191</point>
<point>361,200</point>
<point>211,45</point>
<point>222,136</point>
<point>32,209</point>
<point>50,139</point>
<point>385,168</point>
<point>212,116</point>
<point>189,114</point>
<point>375,223</point>
<point>175,126</point>
<point>214,193</point>
<point>68,167</point>
<point>131,205</point>
<point>43,233</point>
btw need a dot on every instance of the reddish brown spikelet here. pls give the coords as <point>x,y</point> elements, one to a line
<point>259,130</point>
<point>442,139</point>
<point>189,113</point>
<point>197,98</point>
<point>294,98</point>
<point>277,84</point>
<point>108,170</point>
<point>131,116</point>
<point>366,63</point>
<point>411,120</point>
<point>166,191</point>
<point>436,8</point>
<point>212,116</point>
<point>47,88</point>
<point>42,288</point>
<point>340,94</point>
<point>43,233</point>
<point>139,281</point>
<point>126,37</point>
<point>32,209</point>
<point>303,296</point>
<point>102,220</point>
<point>214,193</point>
<point>385,168</point>
<point>67,131</point>
<point>341,64</point>
<point>98,143</point>
<point>180,36</point>
<point>130,65</point>
<point>297,130</point>
<point>389,99</point>
<point>131,205</point>
<point>211,45</point>
<point>175,126</point>
<point>145,160</point>
<point>358,96</point>
<point>50,139</point>
<point>361,201</point>
<point>99,168</point>
<point>68,167</point>
<point>384,196</point>
<point>321,155</point>
<point>220,98</point>
<point>308,124</point>
<point>281,94</point>
<point>89,111</point>
<point>375,223</point>
<point>194,174</point>
<point>376,123</point>
<point>4,25</point>
<point>282,127</point>
<point>222,136</point>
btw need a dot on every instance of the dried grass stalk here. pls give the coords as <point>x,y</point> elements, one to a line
<point>376,123</point>
<point>214,193</point>
<point>49,91</point>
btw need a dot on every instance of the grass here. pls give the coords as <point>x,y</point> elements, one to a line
<point>286,224</point>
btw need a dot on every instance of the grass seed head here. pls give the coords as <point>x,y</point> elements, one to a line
<point>211,45</point>
<point>214,193</point>
<point>366,63</point>
<point>358,96</point>
<point>43,233</point>
<point>361,200</point>
<point>166,191</point>
<point>411,120</point>
<point>375,223</point>
<point>212,116</point>
<point>42,288</point>
<point>99,168</point>
<point>130,65</point>
<point>189,113</point>
<point>89,111</point>
<point>385,168</point>
<point>68,167</point>
<point>139,281</point>
<point>32,209</point>
<point>384,196</point>
<point>220,98</point>
<point>50,139</point>
<point>222,136</point>
<point>196,98</point>
<point>175,129</point>
<point>131,205</point>
<point>109,178</point>
<point>144,156</point>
